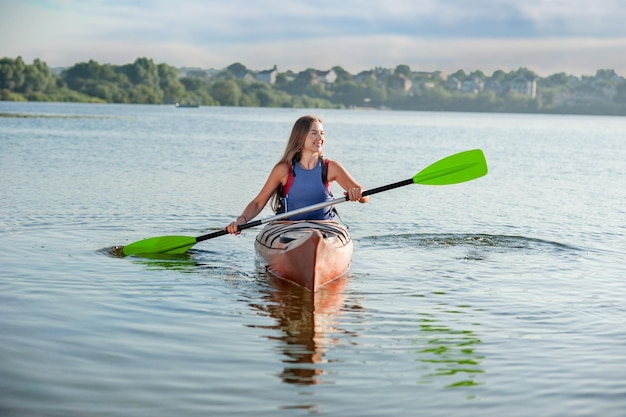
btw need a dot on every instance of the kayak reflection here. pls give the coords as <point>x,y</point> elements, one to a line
<point>308,322</point>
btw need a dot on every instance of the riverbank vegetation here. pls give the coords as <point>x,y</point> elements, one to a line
<point>400,88</point>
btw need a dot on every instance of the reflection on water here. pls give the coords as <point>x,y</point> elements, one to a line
<point>307,326</point>
<point>185,262</point>
<point>307,322</point>
<point>448,352</point>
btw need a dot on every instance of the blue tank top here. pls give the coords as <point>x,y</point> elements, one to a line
<point>308,189</point>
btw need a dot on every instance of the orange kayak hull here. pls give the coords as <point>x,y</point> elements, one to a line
<point>307,253</point>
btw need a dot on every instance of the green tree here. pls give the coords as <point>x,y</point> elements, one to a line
<point>342,75</point>
<point>606,74</point>
<point>524,72</point>
<point>459,75</point>
<point>143,94</point>
<point>403,69</point>
<point>237,69</point>
<point>173,89</point>
<point>142,71</point>
<point>226,92</point>
<point>282,80</point>
<point>376,95</point>
<point>559,79</point>
<point>105,82</point>
<point>350,94</point>
<point>75,77</point>
<point>477,74</point>
<point>317,91</point>
<point>37,77</point>
<point>194,84</point>
<point>620,93</point>
<point>498,75</point>
<point>263,94</point>
<point>12,73</point>
<point>301,82</point>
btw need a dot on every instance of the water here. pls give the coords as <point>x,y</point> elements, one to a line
<point>500,296</point>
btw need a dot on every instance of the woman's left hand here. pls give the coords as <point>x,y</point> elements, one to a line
<point>355,194</point>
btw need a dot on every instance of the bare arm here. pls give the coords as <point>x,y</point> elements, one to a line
<point>278,176</point>
<point>354,191</point>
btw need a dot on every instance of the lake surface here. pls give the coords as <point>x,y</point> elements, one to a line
<point>503,296</point>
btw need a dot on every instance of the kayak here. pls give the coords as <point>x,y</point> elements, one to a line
<point>309,253</point>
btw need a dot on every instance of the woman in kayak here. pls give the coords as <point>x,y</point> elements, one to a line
<point>302,178</point>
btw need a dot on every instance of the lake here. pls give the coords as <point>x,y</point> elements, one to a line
<point>503,296</point>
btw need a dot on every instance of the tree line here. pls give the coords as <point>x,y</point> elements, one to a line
<point>144,82</point>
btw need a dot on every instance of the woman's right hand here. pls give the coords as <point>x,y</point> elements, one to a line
<point>233,227</point>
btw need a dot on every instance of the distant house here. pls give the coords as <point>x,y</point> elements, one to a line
<point>365,75</point>
<point>312,76</point>
<point>438,75</point>
<point>267,76</point>
<point>523,86</point>
<point>401,82</point>
<point>326,77</point>
<point>377,74</point>
<point>472,85</point>
<point>495,86</point>
<point>453,84</point>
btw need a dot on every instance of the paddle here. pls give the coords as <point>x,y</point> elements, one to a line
<point>460,167</point>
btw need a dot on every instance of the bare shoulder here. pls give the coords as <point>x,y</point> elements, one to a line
<point>337,172</point>
<point>332,164</point>
<point>281,168</point>
<point>280,172</point>
<point>334,168</point>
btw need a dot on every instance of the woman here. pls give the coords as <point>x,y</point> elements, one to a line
<point>301,170</point>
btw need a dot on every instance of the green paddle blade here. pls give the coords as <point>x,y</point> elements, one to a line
<point>460,167</point>
<point>173,245</point>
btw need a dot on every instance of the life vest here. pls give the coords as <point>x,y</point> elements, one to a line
<point>283,190</point>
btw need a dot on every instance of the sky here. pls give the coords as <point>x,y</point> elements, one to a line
<point>577,37</point>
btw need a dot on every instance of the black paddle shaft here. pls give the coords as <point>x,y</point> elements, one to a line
<point>285,215</point>
<point>225,232</point>
<point>386,187</point>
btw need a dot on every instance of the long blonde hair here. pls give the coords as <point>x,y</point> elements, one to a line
<point>294,147</point>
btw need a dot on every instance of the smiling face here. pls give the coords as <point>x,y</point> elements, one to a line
<point>307,137</point>
<point>315,138</point>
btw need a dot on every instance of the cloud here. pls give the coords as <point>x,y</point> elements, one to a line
<point>270,20</point>
<point>544,35</point>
